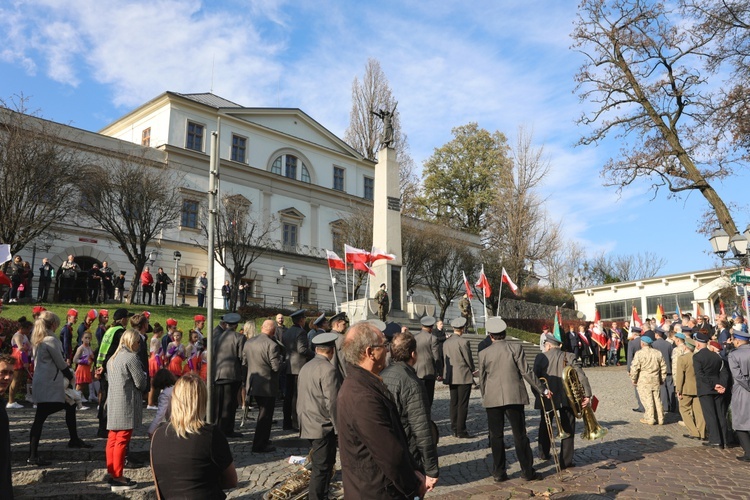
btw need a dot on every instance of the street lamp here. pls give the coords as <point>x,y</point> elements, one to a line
<point>282,273</point>
<point>720,242</point>
<point>176,256</point>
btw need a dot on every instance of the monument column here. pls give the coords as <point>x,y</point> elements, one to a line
<point>386,229</point>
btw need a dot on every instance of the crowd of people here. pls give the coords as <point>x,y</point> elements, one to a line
<point>363,391</point>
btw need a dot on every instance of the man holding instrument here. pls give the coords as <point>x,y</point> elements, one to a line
<point>550,365</point>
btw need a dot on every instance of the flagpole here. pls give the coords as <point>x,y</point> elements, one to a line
<point>333,286</point>
<point>346,279</point>
<point>485,300</point>
<point>473,319</point>
<point>498,298</point>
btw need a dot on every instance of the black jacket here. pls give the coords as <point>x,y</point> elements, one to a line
<point>710,370</point>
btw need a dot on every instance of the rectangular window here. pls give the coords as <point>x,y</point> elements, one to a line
<point>618,310</point>
<point>239,146</point>
<point>189,214</point>
<point>290,236</point>
<point>337,239</point>
<point>194,137</point>
<point>291,166</point>
<point>338,178</point>
<point>146,137</point>
<point>187,285</point>
<point>669,303</point>
<point>303,295</point>
<point>369,188</point>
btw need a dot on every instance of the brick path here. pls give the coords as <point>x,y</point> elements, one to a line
<point>633,461</point>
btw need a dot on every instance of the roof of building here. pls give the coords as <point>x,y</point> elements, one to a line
<point>210,99</point>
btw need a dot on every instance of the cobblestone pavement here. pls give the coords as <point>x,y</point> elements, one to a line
<point>632,461</point>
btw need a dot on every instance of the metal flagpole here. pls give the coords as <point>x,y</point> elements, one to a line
<point>333,286</point>
<point>212,195</point>
<point>500,294</point>
<point>484,289</point>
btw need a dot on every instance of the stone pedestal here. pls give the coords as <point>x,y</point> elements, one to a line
<point>386,230</point>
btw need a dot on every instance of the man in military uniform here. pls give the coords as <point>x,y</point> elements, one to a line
<point>297,354</point>
<point>687,394</point>
<point>633,347</point>
<point>551,364</point>
<point>338,326</point>
<point>711,381</point>
<point>262,359</point>
<point>739,365</point>
<point>666,392</point>
<point>464,305</point>
<point>381,297</point>
<point>316,411</point>
<point>648,372</point>
<point>458,374</point>
<point>429,365</point>
<point>227,354</point>
<point>502,369</point>
<point>320,325</point>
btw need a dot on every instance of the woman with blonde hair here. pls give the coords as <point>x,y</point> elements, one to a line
<point>48,385</point>
<point>127,383</point>
<point>190,458</point>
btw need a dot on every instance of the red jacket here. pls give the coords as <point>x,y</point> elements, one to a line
<point>147,278</point>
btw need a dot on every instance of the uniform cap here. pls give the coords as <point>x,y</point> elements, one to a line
<point>325,339</point>
<point>147,314</point>
<point>715,344</point>
<point>741,335</point>
<point>72,312</point>
<point>459,322</point>
<point>548,337</point>
<point>103,313</point>
<point>296,314</point>
<point>646,340</point>
<point>690,343</point>
<point>122,313</point>
<point>391,329</point>
<point>380,325</point>
<point>495,325</point>
<point>649,334</point>
<point>319,320</point>
<point>636,329</point>
<point>231,318</point>
<point>198,317</point>
<point>337,317</point>
<point>427,321</point>
<point>680,336</point>
<point>38,309</point>
<point>171,322</point>
<point>701,337</point>
<point>92,314</point>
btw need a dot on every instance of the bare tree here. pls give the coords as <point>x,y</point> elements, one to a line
<point>364,132</point>
<point>564,267</point>
<point>602,269</point>
<point>239,239</point>
<point>355,230</point>
<point>39,175</point>
<point>417,249</point>
<point>643,75</point>
<point>519,229</point>
<point>131,195</point>
<point>443,270</point>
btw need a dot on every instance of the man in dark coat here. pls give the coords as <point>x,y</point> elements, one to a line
<point>338,326</point>
<point>458,374</point>
<point>666,391</point>
<point>429,363</point>
<point>227,354</point>
<point>711,380</point>
<point>411,402</point>
<point>316,410</point>
<point>551,364</point>
<point>374,452</point>
<point>261,358</point>
<point>46,274</point>
<point>634,346</point>
<point>502,369</point>
<point>297,354</point>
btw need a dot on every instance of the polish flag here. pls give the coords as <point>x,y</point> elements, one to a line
<point>356,254</point>
<point>468,287</point>
<point>635,320</point>
<point>378,254</point>
<point>596,332</point>
<point>484,284</point>
<point>361,266</point>
<point>506,279</point>
<point>334,261</point>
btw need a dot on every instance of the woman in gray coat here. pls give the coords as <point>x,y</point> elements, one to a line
<point>127,383</point>
<point>48,386</point>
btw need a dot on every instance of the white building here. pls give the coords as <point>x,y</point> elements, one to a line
<point>689,291</point>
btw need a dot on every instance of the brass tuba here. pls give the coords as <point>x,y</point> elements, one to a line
<point>574,389</point>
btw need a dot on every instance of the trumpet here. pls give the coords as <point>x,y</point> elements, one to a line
<point>574,390</point>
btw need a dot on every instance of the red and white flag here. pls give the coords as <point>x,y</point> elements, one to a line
<point>509,282</point>
<point>378,254</point>
<point>361,266</point>
<point>468,287</point>
<point>356,254</point>
<point>484,284</point>
<point>334,261</point>
<point>635,320</point>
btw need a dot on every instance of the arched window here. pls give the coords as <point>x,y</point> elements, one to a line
<point>291,166</point>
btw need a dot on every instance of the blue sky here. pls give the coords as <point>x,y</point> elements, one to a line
<point>502,64</point>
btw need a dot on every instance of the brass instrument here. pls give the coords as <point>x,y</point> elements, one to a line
<point>561,433</point>
<point>295,487</point>
<point>574,389</point>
